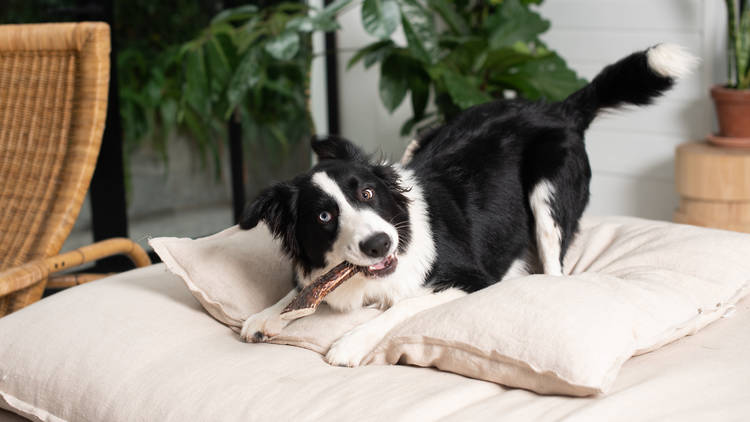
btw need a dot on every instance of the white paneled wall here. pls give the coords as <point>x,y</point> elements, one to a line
<point>631,152</point>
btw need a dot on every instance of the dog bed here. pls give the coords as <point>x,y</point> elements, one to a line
<point>632,286</point>
<point>140,346</point>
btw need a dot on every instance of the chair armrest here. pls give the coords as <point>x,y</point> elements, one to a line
<point>30,273</point>
<point>22,276</point>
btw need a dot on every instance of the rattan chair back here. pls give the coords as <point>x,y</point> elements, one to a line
<point>53,102</point>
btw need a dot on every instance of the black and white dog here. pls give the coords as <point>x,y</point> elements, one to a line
<point>494,194</point>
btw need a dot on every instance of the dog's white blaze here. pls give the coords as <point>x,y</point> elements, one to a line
<point>355,225</point>
<point>406,281</point>
<point>671,60</point>
<point>548,238</point>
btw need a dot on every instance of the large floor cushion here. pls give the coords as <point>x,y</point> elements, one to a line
<point>138,346</point>
<point>631,286</point>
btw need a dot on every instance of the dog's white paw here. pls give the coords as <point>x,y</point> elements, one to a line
<point>352,347</point>
<point>261,327</point>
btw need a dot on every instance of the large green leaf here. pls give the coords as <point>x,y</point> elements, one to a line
<point>197,130</point>
<point>464,90</point>
<point>465,53</point>
<point>285,46</point>
<point>548,77</point>
<point>248,73</point>
<point>329,12</point>
<point>320,20</point>
<point>446,10</point>
<point>380,18</point>
<point>512,22</point>
<point>196,90</point>
<point>499,60</point>
<point>235,14</point>
<point>419,86</point>
<point>248,34</point>
<point>393,82</point>
<point>219,67</point>
<point>371,53</point>
<point>419,28</point>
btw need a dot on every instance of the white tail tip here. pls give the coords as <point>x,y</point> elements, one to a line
<point>671,60</point>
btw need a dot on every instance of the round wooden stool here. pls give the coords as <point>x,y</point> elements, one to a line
<point>714,186</point>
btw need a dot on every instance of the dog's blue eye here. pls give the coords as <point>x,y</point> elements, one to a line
<point>324,217</point>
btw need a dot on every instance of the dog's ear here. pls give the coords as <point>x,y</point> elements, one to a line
<point>332,147</point>
<point>277,207</point>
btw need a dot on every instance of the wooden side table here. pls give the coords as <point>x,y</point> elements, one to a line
<point>714,186</point>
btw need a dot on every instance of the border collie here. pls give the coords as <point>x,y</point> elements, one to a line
<point>494,194</point>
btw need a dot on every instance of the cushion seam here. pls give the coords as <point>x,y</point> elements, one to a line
<point>460,345</point>
<point>26,408</point>
<point>163,250</point>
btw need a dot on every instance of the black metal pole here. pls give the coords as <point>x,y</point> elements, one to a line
<point>234,127</point>
<point>236,157</point>
<point>332,82</point>
<point>107,191</point>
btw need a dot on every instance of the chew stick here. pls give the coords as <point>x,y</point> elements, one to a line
<point>309,298</point>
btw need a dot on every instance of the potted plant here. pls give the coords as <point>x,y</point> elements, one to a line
<point>253,65</point>
<point>733,100</point>
<point>460,54</point>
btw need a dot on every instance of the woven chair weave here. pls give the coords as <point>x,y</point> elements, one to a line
<point>53,96</point>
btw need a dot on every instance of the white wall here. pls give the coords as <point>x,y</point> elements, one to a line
<point>631,153</point>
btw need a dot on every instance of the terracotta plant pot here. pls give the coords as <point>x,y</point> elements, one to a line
<point>733,110</point>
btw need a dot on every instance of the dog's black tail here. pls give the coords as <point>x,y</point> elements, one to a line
<point>637,79</point>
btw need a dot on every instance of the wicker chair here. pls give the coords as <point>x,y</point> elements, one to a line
<point>53,101</point>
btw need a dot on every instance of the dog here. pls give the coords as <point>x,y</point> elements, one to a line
<point>494,194</point>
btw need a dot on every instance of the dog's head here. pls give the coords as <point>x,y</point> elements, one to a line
<point>345,208</point>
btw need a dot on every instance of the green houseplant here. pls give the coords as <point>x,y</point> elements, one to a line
<point>460,53</point>
<point>250,64</point>
<point>733,100</point>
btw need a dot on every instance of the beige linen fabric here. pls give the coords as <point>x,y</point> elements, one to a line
<point>233,274</point>
<point>634,285</point>
<point>237,273</point>
<point>137,346</point>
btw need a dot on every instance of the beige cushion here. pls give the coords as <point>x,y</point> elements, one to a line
<point>139,347</point>
<point>635,285</point>
<point>237,273</point>
<point>233,274</point>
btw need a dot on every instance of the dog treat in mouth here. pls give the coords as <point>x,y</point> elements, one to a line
<point>309,298</point>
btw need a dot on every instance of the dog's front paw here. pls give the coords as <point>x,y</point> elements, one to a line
<point>351,348</point>
<point>261,327</point>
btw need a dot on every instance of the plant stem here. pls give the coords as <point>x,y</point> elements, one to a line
<point>734,46</point>
<point>743,79</point>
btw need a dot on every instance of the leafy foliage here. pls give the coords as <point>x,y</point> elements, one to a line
<point>252,62</point>
<point>248,63</point>
<point>739,43</point>
<point>464,52</point>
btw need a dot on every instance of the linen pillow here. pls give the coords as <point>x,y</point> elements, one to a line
<point>633,286</point>
<point>237,273</point>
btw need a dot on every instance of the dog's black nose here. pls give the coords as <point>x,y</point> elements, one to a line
<point>376,245</point>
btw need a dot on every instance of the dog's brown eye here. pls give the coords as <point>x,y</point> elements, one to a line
<point>325,217</point>
<point>367,194</point>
